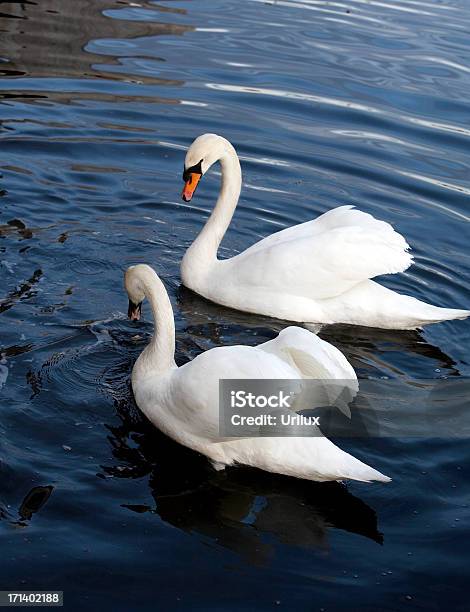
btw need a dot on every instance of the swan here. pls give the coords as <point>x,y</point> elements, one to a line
<point>183,402</point>
<point>316,272</point>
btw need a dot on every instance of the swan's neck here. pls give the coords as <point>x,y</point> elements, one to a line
<point>159,356</point>
<point>203,252</point>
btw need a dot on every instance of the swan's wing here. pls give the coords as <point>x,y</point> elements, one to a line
<point>332,218</point>
<point>194,390</point>
<point>325,257</point>
<point>309,354</point>
<point>336,381</point>
<point>193,397</point>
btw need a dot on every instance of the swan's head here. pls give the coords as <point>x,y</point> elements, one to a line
<point>134,279</point>
<point>205,151</point>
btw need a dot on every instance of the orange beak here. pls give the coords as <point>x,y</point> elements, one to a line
<point>190,186</point>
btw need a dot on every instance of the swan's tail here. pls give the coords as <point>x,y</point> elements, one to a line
<point>435,314</point>
<point>342,465</point>
<point>377,306</point>
<point>357,470</point>
<point>311,458</point>
<point>415,313</point>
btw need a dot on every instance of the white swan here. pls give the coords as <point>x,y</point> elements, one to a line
<point>184,402</point>
<point>315,272</point>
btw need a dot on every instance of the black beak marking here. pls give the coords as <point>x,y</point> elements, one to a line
<point>197,169</point>
<point>134,311</point>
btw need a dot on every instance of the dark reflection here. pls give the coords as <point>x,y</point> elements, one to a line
<point>11,73</point>
<point>228,506</point>
<point>379,346</point>
<point>34,501</point>
<point>368,349</point>
<point>24,291</point>
<point>16,226</point>
<point>212,322</point>
<point>15,350</point>
<point>240,509</point>
<point>66,97</point>
<point>22,96</point>
<point>72,25</point>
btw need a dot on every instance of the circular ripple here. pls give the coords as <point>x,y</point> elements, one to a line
<point>88,267</point>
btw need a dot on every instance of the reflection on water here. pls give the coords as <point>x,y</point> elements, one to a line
<point>327,103</point>
<point>34,501</point>
<point>85,44</point>
<point>238,507</point>
<point>24,291</point>
<point>77,31</point>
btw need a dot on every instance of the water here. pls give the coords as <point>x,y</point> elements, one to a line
<point>327,103</point>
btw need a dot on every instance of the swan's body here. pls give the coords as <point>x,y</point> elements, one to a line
<point>184,402</point>
<point>316,272</point>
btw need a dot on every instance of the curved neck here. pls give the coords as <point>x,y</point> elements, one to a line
<point>159,356</point>
<point>203,252</point>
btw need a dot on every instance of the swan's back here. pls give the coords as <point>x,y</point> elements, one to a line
<point>322,258</point>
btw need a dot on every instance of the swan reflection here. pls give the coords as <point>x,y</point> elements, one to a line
<point>247,511</point>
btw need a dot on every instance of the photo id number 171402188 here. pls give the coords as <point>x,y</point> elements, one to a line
<point>31,598</point>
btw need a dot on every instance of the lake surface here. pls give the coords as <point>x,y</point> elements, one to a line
<point>328,103</point>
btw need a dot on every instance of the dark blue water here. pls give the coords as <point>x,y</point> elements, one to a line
<point>328,103</point>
